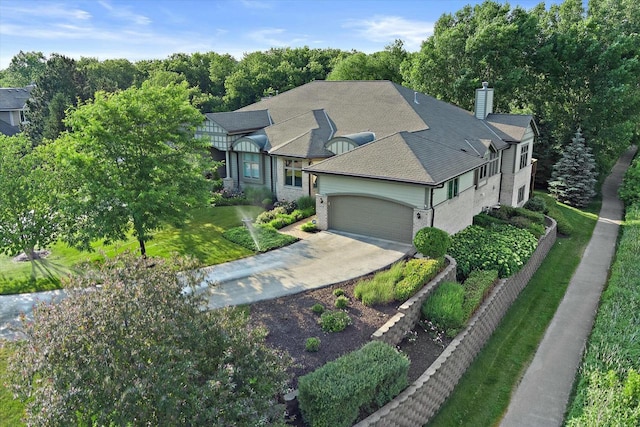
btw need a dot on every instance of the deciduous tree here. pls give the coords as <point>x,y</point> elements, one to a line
<point>28,213</point>
<point>131,160</point>
<point>138,351</point>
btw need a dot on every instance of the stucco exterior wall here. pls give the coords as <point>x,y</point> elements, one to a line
<point>414,195</point>
<point>487,193</point>
<point>455,214</point>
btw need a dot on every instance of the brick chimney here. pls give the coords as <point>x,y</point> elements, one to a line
<point>484,101</point>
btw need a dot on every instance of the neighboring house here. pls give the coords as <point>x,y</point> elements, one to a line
<point>12,106</point>
<point>380,159</point>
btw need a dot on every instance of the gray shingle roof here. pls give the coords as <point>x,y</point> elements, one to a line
<point>308,145</point>
<point>404,157</point>
<point>12,99</point>
<point>510,127</point>
<point>7,129</point>
<point>241,122</point>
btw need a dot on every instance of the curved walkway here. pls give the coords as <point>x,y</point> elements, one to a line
<point>319,260</point>
<point>543,393</point>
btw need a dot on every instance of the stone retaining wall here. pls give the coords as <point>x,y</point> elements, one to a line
<point>408,313</point>
<point>419,402</point>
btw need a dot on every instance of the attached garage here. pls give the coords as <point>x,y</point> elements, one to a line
<point>370,216</point>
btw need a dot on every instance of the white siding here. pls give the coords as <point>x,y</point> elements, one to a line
<point>341,146</point>
<point>414,195</point>
<point>246,146</point>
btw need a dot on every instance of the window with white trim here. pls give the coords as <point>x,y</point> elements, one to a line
<point>251,165</point>
<point>293,173</point>
<point>452,188</point>
<point>524,156</point>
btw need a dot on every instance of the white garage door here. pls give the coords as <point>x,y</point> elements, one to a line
<point>379,218</point>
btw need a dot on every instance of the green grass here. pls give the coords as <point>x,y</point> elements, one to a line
<point>483,393</point>
<point>266,236</point>
<point>201,238</point>
<point>11,410</point>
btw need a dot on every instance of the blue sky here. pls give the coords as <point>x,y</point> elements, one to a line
<point>148,29</point>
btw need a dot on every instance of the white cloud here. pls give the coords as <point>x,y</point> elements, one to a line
<point>44,10</point>
<point>386,29</point>
<point>275,37</point>
<point>125,14</point>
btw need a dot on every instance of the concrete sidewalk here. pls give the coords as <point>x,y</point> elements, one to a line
<point>543,393</point>
<point>319,260</point>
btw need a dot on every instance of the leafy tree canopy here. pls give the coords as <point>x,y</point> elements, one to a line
<point>28,215</point>
<point>137,351</point>
<point>24,69</point>
<point>131,160</point>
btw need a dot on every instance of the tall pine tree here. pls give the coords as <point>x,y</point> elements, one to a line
<point>574,176</point>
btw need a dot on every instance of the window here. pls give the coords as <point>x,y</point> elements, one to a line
<point>452,189</point>
<point>521,194</point>
<point>494,163</point>
<point>251,165</point>
<point>293,173</point>
<point>482,172</point>
<point>524,156</point>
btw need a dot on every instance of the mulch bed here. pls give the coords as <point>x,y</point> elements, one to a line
<point>290,322</point>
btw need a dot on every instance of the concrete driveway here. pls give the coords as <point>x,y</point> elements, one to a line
<point>323,259</point>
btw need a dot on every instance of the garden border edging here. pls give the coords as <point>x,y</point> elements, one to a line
<point>419,402</point>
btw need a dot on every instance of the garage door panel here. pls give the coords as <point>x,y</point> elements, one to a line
<point>379,218</point>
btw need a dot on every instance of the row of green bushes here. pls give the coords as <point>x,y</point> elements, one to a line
<point>399,283</point>
<point>504,248</point>
<point>364,380</point>
<point>518,217</point>
<point>608,391</point>
<point>451,305</point>
<point>259,196</point>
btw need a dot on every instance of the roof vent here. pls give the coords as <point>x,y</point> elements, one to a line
<point>415,98</point>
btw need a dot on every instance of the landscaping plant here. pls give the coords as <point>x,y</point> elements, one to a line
<point>432,242</point>
<point>380,288</point>
<point>366,379</point>
<point>416,273</point>
<point>445,308</point>
<point>342,302</point>
<point>334,321</point>
<point>138,351</point>
<point>504,248</point>
<point>312,344</point>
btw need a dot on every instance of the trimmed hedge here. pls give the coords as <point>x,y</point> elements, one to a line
<point>416,273</point>
<point>365,379</point>
<point>432,242</point>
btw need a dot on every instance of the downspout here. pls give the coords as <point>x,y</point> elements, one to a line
<point>433,209</point>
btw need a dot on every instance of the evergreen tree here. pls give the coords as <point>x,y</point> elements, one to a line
<point>574,175</point>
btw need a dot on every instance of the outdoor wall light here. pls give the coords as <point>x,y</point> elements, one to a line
<point>321,200</point>
<point>418,215</point>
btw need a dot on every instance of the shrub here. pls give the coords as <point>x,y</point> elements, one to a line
<point>312,344</point>
<point>342,302</point>
<point>228,198</point>
<point>147,366</point>
<point>505,248</point>
<point>309,227</point>
<point>476,287</point>
<point>287,205</point>
<point>432,242</point>
<point>338,292</point>
<point>445,307</point>
<point>267,216</point>
<point>306,202</point>
<point>629,191</point>
<point>317,308</point>
<point>365,379</point>
<point>526,224</point>
<point>486,221</point>
<point>379,289</point>
<point>334,321</point>
<point>534,217</point>
<point>536,204</point>
<point>416,273</point>
<point>256,195</point>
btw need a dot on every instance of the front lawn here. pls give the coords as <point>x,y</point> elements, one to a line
<point>201,238</point>
<point>483,393</point>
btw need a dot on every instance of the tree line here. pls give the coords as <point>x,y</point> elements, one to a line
<point>569,67</point>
